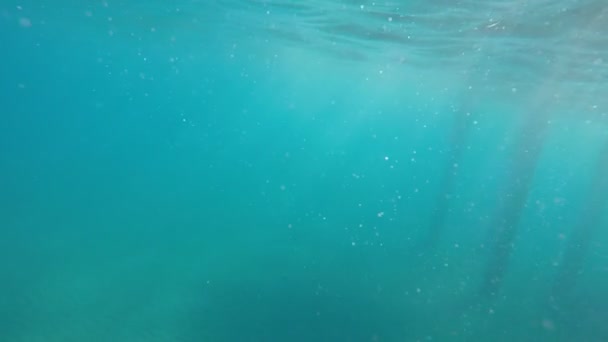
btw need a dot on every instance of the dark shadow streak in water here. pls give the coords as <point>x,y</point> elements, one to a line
<point>582,236</point>
<point>524,162</point>
<point>458,138</point>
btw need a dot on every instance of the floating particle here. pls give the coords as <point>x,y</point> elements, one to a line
<point>548,324</point>
<point>25,22</point>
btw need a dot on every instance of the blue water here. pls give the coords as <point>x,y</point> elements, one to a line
<point>303,171</point>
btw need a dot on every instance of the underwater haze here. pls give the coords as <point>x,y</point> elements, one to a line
<point>274,170</point>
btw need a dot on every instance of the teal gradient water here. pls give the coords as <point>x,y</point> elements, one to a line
<point>303,171</point>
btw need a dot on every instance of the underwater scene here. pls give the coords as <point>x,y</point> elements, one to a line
<point>275,170</point>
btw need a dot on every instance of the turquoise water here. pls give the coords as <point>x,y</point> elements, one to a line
<point>303,171</point>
